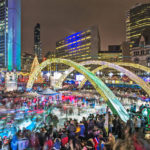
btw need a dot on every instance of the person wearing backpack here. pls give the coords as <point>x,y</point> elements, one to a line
<point>14,143</point>
<point>57,144</point>
<point>71,130</point>
<point>82,131</point>
<point>64,139</point>
<point>48,145</point>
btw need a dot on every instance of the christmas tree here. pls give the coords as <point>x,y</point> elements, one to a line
<point>34,65</point>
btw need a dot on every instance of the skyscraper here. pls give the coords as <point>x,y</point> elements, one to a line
<point>37,41</point>
<point>138,19</point>
<point>79,46</point>
<point>10,34</point>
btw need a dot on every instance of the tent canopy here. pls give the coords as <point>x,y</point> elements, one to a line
<point>48,92</point>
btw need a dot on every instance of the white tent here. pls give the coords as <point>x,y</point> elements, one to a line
<point>48,92</point>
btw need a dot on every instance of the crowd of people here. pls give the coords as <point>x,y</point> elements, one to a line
<point>91,133</point>
<point>88,134</point>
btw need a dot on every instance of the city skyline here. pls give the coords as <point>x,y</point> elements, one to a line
<point>61,18</point>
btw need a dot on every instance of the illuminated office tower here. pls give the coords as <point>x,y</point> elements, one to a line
<point>37,41</point>
<point>138,19</point>
<point>79,46</point>
<point>10,34</point>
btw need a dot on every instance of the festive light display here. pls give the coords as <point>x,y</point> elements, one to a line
<point>35,63</point>
<point>23,74</point>
<point>111,100</point>
<point>115,66</point>
<point>128,73</point>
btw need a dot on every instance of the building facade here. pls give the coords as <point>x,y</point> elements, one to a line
<point>37,41</point>
<point>141,53</point>
<point>111,56</point>
<point>80,46</point>
<point>27,60</point>
<point>138,19</point>
<point>10,34</point>
<point>125,47</point>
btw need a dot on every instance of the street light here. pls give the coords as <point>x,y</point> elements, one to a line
<point>110,74</point>
<point>66,72</point>
<point>48,74</point>
<point>121,74</point>
<point>98,73</point>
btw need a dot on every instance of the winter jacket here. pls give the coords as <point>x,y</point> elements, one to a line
<point>82,130</point>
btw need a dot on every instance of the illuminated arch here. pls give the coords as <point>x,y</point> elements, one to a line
<point>98,84</point>
<point>137,66</point>
<point>116,66</point>
<point>139,81</point>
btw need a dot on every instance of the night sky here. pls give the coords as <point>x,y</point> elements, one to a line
<point>62,17</point>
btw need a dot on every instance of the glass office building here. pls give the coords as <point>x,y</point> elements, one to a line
<point>10,34</point>
<point>80,46</point>
<point>138,19</point>
<point>37,41</point>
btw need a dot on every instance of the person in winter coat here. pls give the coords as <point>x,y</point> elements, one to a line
<point>82,130</point>
<point>71,130</point>
<point>111,141</point>
<point>64,139</point>
<point>57,144</point>
<point>48,145</point>
<point>5,145</point>
<point>14,143</point>
<point>34,141</point>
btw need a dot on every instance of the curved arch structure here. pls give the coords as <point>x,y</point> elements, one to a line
<point>138,80</point>
<point>98,84</point>
<point>136,66</point>
<point>115,66</point>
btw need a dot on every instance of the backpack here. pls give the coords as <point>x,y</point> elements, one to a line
<point>57,145</point>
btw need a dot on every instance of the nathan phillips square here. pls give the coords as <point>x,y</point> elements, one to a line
<point>74,75</point>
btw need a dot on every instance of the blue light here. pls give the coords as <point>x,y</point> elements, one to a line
<point>14,34</point>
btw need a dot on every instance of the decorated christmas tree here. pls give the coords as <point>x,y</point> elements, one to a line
<point>34,65</point>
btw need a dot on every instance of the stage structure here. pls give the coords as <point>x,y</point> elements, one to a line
<point>111,100</point>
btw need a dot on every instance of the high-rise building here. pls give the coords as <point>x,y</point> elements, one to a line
<point>10,34</point>
<point>138,19</point>
<point>37,41</point>
<point>80,46</point>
